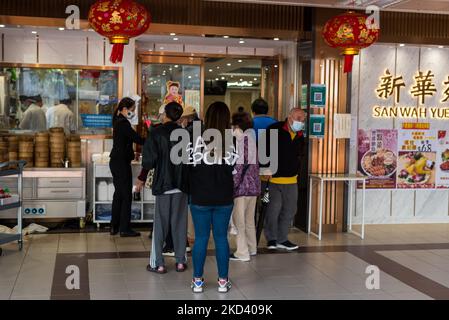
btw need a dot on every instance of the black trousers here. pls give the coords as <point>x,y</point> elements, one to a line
<point>121,204</point>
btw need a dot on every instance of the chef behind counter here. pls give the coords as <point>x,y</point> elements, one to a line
<point>36,119</point>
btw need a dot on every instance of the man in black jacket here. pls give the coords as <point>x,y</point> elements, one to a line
<point>169,189</point>
<point>283,187</point>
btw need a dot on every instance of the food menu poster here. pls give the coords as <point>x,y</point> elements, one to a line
<point>442,161</point>
<point>377,158</point>
<point>417,156</point>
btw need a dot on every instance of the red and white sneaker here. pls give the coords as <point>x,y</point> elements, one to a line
<point>224,285</point>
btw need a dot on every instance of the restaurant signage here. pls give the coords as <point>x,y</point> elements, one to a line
<point>423,87</point>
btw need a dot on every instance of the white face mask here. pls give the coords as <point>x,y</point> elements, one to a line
<point>298,126</point>
<point>130,115</point>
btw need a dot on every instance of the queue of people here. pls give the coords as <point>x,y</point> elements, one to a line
<point>217,190</point>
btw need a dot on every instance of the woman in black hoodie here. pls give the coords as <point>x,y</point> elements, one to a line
<point>211,191</point>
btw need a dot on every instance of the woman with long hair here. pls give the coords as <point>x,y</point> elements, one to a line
<point>211,191</point>
<point>120,164</point>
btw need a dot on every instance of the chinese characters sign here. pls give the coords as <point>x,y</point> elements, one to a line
<point>423,86</point>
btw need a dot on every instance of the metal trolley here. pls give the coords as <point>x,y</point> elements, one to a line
<point>15,168</point>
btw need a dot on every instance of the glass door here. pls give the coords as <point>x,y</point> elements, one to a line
<point>167,79</point>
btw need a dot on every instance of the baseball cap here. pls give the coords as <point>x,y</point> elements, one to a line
<point>188,111</point>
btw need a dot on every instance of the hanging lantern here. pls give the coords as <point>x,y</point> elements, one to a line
<point>119,20</point>
<point>350,32</point>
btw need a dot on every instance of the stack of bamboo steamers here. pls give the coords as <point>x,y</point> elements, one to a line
<point>42,150</point>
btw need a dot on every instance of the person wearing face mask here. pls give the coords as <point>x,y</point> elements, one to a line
<point>33,117</point>
<point>283,184</point>
<point>122,154</point>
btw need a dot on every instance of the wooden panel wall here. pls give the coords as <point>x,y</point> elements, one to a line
<point>182,12</point>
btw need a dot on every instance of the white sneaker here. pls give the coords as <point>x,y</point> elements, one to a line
<point>224,285</point>
<point>188,249</point>
<point>252,254</point>
<point>197,285</point>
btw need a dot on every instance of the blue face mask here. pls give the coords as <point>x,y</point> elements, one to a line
<point>298,126</point>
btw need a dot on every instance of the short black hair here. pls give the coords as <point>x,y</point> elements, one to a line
<point>259,106</point>
<point>242,120</point>
<point>241,109</point>
<point>174,111</point>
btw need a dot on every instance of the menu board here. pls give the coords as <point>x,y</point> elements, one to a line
<point>417,156</point>
<point>442,162</point>
<point>377,157</point>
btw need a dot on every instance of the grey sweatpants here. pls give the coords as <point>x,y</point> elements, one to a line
<point>281,211</point>
<point>171,209</point>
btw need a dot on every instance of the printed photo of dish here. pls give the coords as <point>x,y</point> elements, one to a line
<point>445,160</point>
<point>381,163</point>
<point>417,167</point>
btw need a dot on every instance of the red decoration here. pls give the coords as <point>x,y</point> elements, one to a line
<point>350,32</point>
<point>119,20</point>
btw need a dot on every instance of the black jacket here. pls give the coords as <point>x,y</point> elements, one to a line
<point>289,151</point>
<point>211,185</point>
<point>156,155</point>
<point>123,138</point>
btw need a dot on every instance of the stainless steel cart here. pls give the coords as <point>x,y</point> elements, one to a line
<point>17,170</point>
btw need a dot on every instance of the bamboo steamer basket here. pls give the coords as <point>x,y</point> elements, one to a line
<point>26,138</point>
<point>56,130</point>
<point>41,164</point>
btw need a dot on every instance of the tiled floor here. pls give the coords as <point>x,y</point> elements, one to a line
<point>413,262</point>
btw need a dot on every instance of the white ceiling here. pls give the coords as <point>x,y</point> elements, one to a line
<point>424,6</point>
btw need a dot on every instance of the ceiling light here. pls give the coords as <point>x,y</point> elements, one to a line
<point>190,77</point>
<point>34,32</point>
<point>240,61</point>
<point>276,39</point>
<point>255,79</point>
<point>176,66</point>
<point>226,37</point>
<point>402,45</point>
<point>441,47</point>
<point>161,48</point>
<point>216,79</point>
<point>173,34</point>
<point>241,79</point>
<point>218,67</point>
<point>222,78</point>
<point>210,70</point>
<point>229,64</point>
<point>175,39</point>
<point>241,41</point>
<point>171,69</point>
<point>2,25</point>
<point>275,65</point>
<point>61,29</point>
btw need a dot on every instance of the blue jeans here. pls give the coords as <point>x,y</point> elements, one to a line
<point>203,218</point>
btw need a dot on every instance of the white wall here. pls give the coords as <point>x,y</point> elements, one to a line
<point>396,206</point>
<point>67,47</point>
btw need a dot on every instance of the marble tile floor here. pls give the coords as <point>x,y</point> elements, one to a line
<point>413,263</point>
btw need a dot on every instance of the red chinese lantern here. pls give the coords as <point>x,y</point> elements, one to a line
<point>119,20</point>
<point>350,32</point>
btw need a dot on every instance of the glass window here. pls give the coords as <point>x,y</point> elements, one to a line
<point>88,96</point>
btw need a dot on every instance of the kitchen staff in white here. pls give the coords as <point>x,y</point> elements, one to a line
<point>34,117</point>
<point>60,116</point>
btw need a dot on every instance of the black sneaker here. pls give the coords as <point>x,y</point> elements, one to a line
<point>168,252</point>
<point>287,245</point>
<point>272,245</point>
